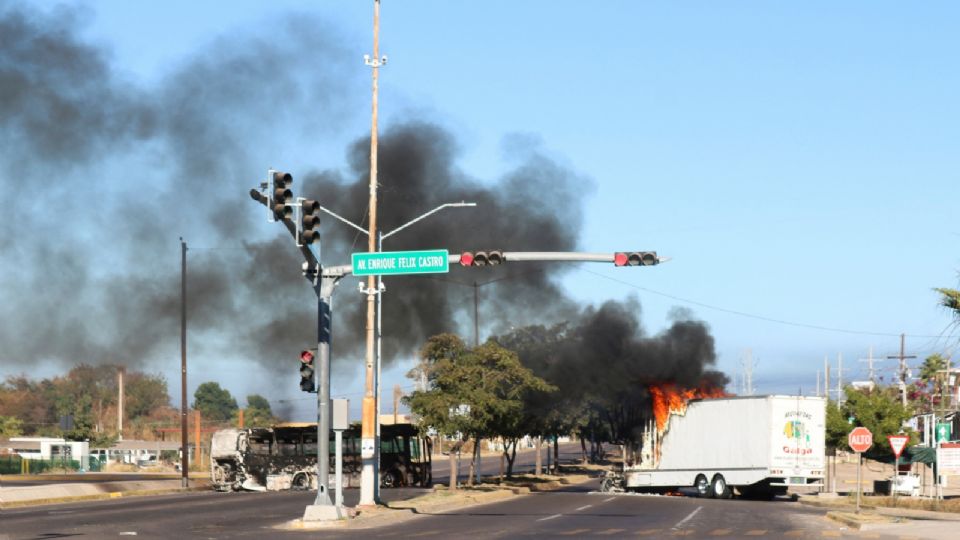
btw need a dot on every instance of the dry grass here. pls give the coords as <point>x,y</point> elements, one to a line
<point>946,505</point>
<point>114,467</point>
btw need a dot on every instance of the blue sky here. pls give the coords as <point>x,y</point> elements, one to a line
<point>798,161</point>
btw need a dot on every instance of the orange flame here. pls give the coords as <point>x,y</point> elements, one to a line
<point>669,399</point>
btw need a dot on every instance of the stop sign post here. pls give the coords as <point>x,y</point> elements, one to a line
<point>860,440</point>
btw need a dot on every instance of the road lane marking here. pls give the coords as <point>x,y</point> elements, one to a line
<point>720,532</point>
<point>685,532</point>
<point>648,532</point>
<point>688,518</point>
<point>611,531</point>
<point>756,532</point>
<point>584,507</point>
<point>555,516</point>
<point>610,499</point>
<point>794,533</point>
<point>869,535</point>
<point>575,532</point>
<point>830,534</point>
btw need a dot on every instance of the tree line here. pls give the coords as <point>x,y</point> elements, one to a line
<point>83,405</point>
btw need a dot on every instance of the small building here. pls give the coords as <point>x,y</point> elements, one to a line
<point>48,448</point>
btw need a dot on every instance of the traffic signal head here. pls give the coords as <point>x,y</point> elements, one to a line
<point>309,221</point>
<point>482,258</point>
<point>280,194</point>
<point>306,372</point>
<point>636,258</point>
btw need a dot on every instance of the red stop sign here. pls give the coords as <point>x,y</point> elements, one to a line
<point>860,439</point>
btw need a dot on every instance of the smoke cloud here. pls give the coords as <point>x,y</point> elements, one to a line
<point>101,175</point>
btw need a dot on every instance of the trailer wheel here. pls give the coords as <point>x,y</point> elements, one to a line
<point>702,486</point>
<point>719,488</point>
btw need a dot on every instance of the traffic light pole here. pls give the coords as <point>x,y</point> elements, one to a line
<point>328,281</point>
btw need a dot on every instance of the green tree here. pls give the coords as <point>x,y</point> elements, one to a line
<point>838,426</point>
<point>879,410</point>
<point>144,394</point>
<point>258,413</point>
<point>950,299</point>
<point>474,393</point>
<point>932,366</point>
<point>10,426</point>
<point>214,403</point>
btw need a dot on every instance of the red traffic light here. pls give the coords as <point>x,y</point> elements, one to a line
<point>482,258</point>
<point>306,357</point>
<point>636,258</point>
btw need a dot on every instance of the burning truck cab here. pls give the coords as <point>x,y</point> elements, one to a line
<point>757,445</point>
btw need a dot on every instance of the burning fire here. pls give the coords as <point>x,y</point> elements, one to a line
<point>669,399</point>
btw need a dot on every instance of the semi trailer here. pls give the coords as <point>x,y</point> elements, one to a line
<point>758,446</point>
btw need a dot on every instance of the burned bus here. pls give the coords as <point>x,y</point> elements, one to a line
<point>285,457</point>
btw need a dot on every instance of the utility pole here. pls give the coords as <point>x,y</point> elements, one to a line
<point>120,403</point>
<point>747,364</point>
<point>870,369</point>
<point>902,369</point>
<point>370,475</point>
<point>818,383</point>
<point>826,377</point>
<point>839,379</point>
<point>184,455</point>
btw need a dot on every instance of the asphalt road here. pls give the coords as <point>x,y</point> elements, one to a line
<point>575,513</point>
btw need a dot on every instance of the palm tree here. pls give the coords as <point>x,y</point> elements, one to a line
<point>950,299</point>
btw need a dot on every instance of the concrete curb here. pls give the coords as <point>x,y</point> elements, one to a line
<point>64,493</point>
<point>862,521</point>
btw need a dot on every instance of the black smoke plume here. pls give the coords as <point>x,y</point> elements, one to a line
<point>101,175</point>
<point>603,359</point>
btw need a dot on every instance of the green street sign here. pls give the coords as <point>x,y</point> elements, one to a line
<point>943,432</point>
<point>386,263</point>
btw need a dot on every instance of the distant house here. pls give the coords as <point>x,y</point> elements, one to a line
<point>49,448</point>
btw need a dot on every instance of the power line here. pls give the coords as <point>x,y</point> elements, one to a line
<point>758,317</point>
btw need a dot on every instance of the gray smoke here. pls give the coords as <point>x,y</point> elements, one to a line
<point>102,174</point>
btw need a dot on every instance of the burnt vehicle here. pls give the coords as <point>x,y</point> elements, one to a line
<point>284,457</point>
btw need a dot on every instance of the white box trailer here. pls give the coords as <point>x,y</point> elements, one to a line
<point>759,445</point>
